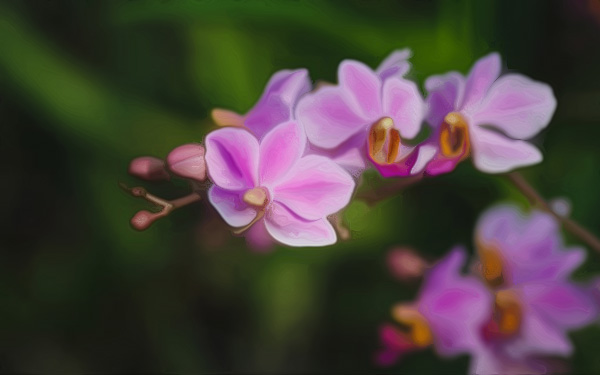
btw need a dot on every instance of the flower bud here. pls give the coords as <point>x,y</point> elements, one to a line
<point>142,220</point>
<point>405,264</point>
<point>148,168</point>
<point>188,161</point>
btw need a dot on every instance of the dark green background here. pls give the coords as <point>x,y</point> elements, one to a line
<point>87,85</point>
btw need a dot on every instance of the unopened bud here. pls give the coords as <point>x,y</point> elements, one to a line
<point>142,220</point>
<point>148,168</point>
<point>405,264</point>
<point>188,161</point>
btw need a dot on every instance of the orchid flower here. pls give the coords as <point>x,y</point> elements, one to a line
<point>366,117</point>
<point>487,117</point>
<point>448,313</point>
<point>526,265</point>
<point>270,189</point>
<point>275,106</point>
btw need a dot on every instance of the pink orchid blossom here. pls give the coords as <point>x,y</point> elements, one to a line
<point>448,313</point>
<point>487,117</point>
<point>366,117</point>
<point>275,106</point>
<point>526,265</point>
<point>269,188</point>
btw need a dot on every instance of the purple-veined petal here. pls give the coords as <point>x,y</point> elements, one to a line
<point>289,229</point>
<point>280,149</point>
<point>395,65</point>
<point>494,153</point>
<point>517,105</point>
<point>231,207</point>
<point>455,306</point>
<point>363,86</point>
<point>402,101</point>
<point>445,96</point>
<point>278,101</point>
<point>485,71</point>
<point>314,188</point>
<point>328,117</point>
<point>232,158</point>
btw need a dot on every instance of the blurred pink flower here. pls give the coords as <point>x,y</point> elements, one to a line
<point>486,116</point>
<point>269,188</point>
<point>526,264</point>
<point>405,264</point>
<point>275,106</point>
<point>449,313</point>
<point>366,116</point>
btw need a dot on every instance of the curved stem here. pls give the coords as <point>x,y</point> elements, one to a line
<point>569,224</point>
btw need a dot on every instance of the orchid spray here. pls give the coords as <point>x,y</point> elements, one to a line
<point>284,171</point>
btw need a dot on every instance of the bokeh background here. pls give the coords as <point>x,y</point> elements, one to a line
<point>85,86</point>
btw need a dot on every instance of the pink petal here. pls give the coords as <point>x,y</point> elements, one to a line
<point>518,106</point>
<point>350,155</point>
<point>289,229</point>
<point>445,96</point>
<point>494,153</point>
<point>314,188</point>
<point>455,306</point>
<point>540,337</point>
<point>402,101</point>
<point>278,101</point>
<point>485,71</point>
<point>232,158</point>
<point>363,86</point>
<point>395,65</point>
<point>230,206</point>
<point>328,118</point>
<point>565,305</point>
<point>280,149</point>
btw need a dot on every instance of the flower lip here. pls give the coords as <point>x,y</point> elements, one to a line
<point>492,269</point>
<point>508,313</point>
<point>257,197</point>
<point>384,141</point>
<point>420,333</point>
<point>454,136</point>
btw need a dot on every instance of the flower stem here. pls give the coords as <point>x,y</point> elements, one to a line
<point>373,196</point>
<point>569,224</point>
<point>144,219</point>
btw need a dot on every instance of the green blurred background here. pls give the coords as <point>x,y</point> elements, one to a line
<point>85,86</point>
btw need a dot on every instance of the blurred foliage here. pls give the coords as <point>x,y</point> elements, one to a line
<point>87,85</point>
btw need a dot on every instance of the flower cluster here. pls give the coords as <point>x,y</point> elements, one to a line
<point>515,309</point>
<point>283,168</point>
